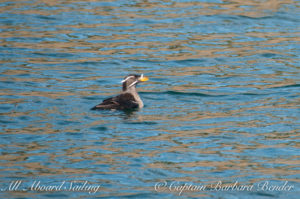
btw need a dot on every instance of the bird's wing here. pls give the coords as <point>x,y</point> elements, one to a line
<point>122,101</point>
<point>109,103</point>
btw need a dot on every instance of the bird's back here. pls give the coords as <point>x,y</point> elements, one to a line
<point>120,102</point>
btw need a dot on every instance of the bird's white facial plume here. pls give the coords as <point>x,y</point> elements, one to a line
<point>133,80</point>
<point>129,81</point>
<point>127,78</point>
<point>133,83</point>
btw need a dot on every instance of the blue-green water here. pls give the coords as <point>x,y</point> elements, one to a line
<point>221,106</point>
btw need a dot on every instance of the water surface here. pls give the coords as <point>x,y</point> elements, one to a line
<point>222,103</point>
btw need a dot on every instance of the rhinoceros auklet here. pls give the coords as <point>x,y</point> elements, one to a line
<point>128,99</point>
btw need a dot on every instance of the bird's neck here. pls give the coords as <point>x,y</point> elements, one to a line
<point>132,89</point>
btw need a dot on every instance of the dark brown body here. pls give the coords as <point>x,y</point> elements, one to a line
<point>121,102</point>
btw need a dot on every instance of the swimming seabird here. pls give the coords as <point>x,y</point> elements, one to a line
<point>129,98</point>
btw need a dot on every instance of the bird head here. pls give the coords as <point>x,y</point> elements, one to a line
<point>132,80</point>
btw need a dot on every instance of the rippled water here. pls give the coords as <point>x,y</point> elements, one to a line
<point>222,103</point>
